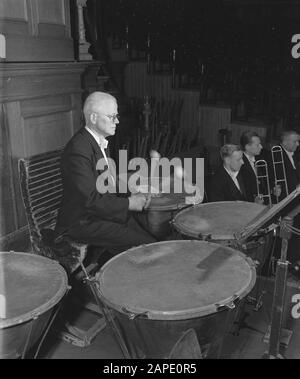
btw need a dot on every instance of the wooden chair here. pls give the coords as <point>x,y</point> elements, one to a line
<point>42,188</point>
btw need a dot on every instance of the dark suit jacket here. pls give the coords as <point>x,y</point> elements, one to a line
<point>292,175</point>
<point>249,180</point>
<point>222,187</point>
<point>82,204</point>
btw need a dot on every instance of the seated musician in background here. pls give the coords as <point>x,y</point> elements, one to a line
<point>227,183</point>
<point>289,143</point>
<point>251,145</point>
<point>86,215</point>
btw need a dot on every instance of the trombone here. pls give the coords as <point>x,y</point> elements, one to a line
<point>279,173</point>
<point>262,175</point>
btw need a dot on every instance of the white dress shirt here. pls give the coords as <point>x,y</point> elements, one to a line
<point>233,175</point>
<point>103,143</point>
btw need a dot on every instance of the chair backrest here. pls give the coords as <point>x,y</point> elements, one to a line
<point>41,186</point>
<point>42,189</point>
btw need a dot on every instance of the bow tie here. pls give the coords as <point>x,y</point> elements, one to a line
<point>103,143</point>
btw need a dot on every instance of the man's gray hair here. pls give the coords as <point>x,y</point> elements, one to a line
<point>228,150</point>
<point>286,133</point>
<point>95,100</point>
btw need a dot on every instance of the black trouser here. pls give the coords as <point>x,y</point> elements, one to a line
<point>114,237</point>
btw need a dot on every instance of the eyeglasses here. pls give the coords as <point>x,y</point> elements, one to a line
<point>112,118</point>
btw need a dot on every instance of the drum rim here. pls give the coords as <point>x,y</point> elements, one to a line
<point>170,207</point>
<point>14,321</point>
<point>187,313</point>
<point>213,237</point>
<point>177,207</point>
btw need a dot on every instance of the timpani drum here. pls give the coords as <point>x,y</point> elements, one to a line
<point>165,203</point>
<point>159,291</point>
<point>156,219</point>
<point>30,286</point>
<point>218,222</point>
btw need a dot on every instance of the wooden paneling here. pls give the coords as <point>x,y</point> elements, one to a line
<point>37,30</point>
<point>14,10</point>
<point>47,133</point>
<point>38,50</point>
<point>31,80</point>
<point>50,122</point>
<point>12,29</point>
<point>53,18</point>
<point>7,206</point>
<point>51,11</point>
<point>44,106</point>
<point>15,18</point>
<point>15,125</point>
<point>40,111</point>
<point>76,113</point>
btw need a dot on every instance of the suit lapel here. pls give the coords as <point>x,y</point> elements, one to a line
<point>94,145</point>
<point>297,165</point>
<point>234,191</point>
<point>241,184</point>
<point>96,152</point>
<point>247,165</point>
<point>292,174</point>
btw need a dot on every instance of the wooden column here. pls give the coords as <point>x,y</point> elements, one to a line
<point>84,46</point>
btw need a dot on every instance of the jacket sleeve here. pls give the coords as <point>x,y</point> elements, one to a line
<point>79,173</point>
<point>216,190</point>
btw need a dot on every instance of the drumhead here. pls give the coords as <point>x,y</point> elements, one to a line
<point>29,286</point>
<point>175,280</point>
<point>219,221</point>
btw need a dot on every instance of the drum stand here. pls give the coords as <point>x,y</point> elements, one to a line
<point>277,333</point>
<point>257,299</point>
<point>109,319</point>
<point>45,333</point>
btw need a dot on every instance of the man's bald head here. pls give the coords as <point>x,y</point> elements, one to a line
<point>97,102</point>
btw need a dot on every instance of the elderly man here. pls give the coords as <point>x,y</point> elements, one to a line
<point>289,143</point>
<point>86,214</point>
<point>227,184</point>
<point>251,145</point>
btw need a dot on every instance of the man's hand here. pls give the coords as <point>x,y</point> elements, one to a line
<point>196,199</point>
<point>277,190</point>
<point>138,202</point>
<point>259,199</point>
